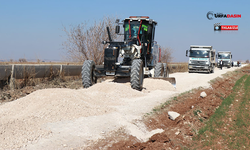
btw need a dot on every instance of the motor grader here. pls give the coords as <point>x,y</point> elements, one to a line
<point>137,57</point>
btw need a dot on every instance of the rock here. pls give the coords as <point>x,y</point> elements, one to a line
<point>189,133</point>
<point>162,138</point>
<point>177,133</point>
<point>192,107</point>
<point>204,116</point>
<point>173,115</point>
<point>203,94</point>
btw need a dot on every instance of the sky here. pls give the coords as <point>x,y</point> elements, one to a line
<point>33,29</point>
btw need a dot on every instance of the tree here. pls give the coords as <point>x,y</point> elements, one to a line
<point>247,61</point>
<point>22,60</point>
<point>84,42</point>
<point>166,54</point>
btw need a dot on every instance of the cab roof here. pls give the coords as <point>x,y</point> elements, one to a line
<point>139,18</point>
<point>224,52</point>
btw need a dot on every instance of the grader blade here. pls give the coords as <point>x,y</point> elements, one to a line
<point>169,79</point>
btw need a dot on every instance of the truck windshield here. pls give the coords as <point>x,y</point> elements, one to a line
<point>134,27</point>
<point>223,56</point>
<point>199,53</point>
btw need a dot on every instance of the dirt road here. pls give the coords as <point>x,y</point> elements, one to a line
<point>66,118</point>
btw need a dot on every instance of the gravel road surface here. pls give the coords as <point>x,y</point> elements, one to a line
<point>66,118</point>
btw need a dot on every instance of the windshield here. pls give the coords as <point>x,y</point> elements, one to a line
<point>199,53</point>
<point>134,29</point>
<point>223,56</point>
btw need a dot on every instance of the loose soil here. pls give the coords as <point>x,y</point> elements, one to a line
<point>194,112</point>
<point>106,114</point>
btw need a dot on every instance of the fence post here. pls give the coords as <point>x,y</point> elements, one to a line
<point>61,69</point>
<point>12,79</point>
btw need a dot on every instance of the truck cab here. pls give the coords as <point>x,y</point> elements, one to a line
<point>201,58</point>
<point>225,57</point>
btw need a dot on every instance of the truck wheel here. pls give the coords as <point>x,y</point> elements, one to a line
<point>159,70</point>
<point>166,70</point>
<point>212,71</point>
<point>88,78</point>
<point>136,75</point>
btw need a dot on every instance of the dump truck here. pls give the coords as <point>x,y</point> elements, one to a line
<point>225,57</point>
<point>136,57</point>
<point>201,59</point>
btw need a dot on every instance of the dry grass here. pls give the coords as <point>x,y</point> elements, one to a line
<point>178,67</point>
<point>29,79</point>
<point>42,63</point>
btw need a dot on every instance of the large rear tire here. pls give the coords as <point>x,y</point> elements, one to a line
<point>159,71</point>
<point>88,78</point>
<point>137,75</point>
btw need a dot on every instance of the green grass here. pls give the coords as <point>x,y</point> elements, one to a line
<point>201,120</point>
<point>221,111</point>
<point>196,112</point>
<point>242,121</point>
<point>240,135</point>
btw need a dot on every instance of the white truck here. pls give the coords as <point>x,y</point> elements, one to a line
<point>201,58</point>
<point>225,57</point>
<point>236,64</point>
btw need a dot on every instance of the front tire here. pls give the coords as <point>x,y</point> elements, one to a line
<point>212,71</point>
<point>137,75</point>
<point>88,78</point>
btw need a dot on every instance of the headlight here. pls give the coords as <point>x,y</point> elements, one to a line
<point>207,62</point>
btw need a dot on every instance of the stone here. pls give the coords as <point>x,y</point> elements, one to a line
<point>203,94</point>
<point>173,115</point>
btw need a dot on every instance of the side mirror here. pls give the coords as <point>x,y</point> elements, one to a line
<point>117,20</point>
<point>117,29</point>
<point>149,29</point>
<point>231,56</point>
<point>186,53</point>
<point>217,56</point>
